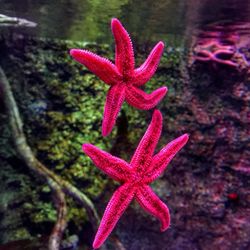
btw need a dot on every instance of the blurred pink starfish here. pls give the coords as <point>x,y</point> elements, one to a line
<point>123,79</point>
<point>135,177</point>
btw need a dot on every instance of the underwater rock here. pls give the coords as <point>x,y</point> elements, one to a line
<point>14,186</point>
<point>212,104</point>
<point>71,243</point>
<point>38,107</point>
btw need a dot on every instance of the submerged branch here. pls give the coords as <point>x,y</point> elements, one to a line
<point>61,223</point>
<point>57,184</point>
<point>7,21</point>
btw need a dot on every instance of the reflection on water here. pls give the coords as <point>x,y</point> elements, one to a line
<point>218,32</point>
<point>85,20</point>
<point>226,44</point>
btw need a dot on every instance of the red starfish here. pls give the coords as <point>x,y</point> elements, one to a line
<point>135,177</point>
<point>123,78</point>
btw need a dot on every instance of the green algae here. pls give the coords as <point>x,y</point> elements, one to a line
<point>73,99</point>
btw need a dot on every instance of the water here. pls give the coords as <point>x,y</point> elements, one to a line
<point>61,107</point>
<point>89,20</point>
<point>85,20</point>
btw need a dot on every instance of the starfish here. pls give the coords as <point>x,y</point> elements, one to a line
<point>135,177</point>
<point>124,80</point>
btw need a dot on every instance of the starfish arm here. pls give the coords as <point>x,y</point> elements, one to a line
<point>146,147</point>
<point>114,210</point>
<point>162,159</point>
<point>141,100</point>
<point>124,54</point>
<point>111,165</point>
<point>148,68</point>
<point>114,100</point>
<point>100,66</point>
<point>152,204</point>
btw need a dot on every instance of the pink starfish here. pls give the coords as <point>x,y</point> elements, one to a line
<point>135,177</point>
<point>123,79</point>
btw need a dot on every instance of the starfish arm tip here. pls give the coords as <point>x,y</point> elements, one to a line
<point>161,44</point>
<point>96,245</point>
<point>161,92</point>
<point>163,229</point>
<point>73,52</point>
<point>114,21</point>
<point>107,128</point>
<point>157,113</point>
<point>185,137</point>
<point>85,147</point>
<point>164,89</point>
<point>116,24</point>
<point>105,132</point>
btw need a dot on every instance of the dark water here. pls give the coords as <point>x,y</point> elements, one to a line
<point>146,20</point>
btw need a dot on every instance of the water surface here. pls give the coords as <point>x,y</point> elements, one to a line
<point>147,20</point>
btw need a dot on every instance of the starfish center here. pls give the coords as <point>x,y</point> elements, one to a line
<point>126,79</point>
<point>138,180</point>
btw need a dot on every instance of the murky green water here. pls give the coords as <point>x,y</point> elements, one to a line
<point>147,20</point>
<point>89,20</point>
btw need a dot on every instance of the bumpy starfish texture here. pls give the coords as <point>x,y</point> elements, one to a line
<point>135,177</point>
<point>123,78</point>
